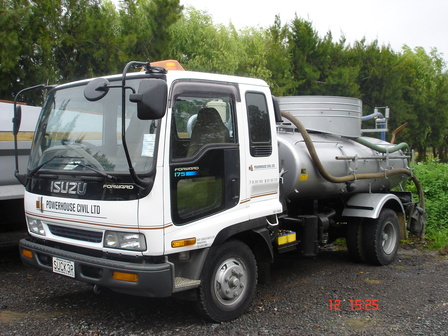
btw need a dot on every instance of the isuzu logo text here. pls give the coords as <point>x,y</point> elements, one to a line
<point>71,188</point>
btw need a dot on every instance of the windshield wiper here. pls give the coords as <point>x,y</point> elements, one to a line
<point>39,167</point>
<point>106,175</point>
<point>35,170</point>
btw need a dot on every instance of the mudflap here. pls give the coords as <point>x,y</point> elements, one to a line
<point>417,221</point>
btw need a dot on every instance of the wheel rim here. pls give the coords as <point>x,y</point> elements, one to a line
<point>230,282</point>
<point>389,238</point>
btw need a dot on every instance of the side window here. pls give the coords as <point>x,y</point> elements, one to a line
<point>259,126</point>
<point>200,121</point>
<point>202,148</point>
<point>199,190</point>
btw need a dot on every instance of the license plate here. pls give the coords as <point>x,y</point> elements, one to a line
<point>64,267</point>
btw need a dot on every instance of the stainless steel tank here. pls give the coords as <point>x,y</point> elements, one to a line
<point>327,114</point>
<point>340,156</point>
<point>337,148</point>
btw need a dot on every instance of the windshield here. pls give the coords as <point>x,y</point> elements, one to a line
<point>75,134</point>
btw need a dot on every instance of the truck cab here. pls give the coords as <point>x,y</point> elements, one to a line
<point>133,179</point>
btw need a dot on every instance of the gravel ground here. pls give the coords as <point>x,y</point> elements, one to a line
<point>411,293</point>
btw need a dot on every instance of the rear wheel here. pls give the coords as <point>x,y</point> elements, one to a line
<point>228,282</point>
<point>354,239</point>
<point>382,238</point>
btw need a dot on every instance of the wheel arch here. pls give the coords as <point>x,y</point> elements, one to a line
<point>370,205</point>
<point>256,236</point>
<point>258,241</point>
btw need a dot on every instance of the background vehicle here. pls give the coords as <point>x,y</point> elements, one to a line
<point>11,191</point>
<point>162,183</point>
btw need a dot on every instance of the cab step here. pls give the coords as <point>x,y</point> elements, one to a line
<point>181,284</point>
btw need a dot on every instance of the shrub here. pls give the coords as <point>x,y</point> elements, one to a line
<point>433,177</point>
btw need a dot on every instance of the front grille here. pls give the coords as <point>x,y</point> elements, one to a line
<point>84,235</point>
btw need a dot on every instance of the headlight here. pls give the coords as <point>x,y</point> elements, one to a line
<point>35,226</point>
<point>125,240</point>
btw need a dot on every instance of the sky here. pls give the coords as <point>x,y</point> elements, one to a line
<point>396,23</point>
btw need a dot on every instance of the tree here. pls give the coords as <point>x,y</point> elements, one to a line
<point>144,26</point>
<point>200,45</point>
<point>85,40</point>
<point>278,59</point>
<point>339,73</point>
<point>25,46</point>
<point>55,41</point>
<point>380,80</point>
<point>305,56</point>
<point>320,66</point>
<point>12,17</point>
<point>252,54</point>
<point>425,89</point>
<point>162,14</point>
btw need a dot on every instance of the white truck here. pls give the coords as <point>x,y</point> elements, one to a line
<point>10,188</point>
<point>161,183</point>
<point>11,191</point>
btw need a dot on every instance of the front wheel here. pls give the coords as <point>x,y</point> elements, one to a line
<point>228,282</point>
<point>382,238</point>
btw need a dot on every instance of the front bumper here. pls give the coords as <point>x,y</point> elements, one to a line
<point>154,280</point>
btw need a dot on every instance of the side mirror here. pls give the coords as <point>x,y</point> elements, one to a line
<point>96,89</point>
<point>277,111</point>
<point>150,99</point>
<point>17,119</point>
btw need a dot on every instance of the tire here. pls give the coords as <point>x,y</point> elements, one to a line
<point>354,239</point>
<point>228,282</point>
<point>382,238</point>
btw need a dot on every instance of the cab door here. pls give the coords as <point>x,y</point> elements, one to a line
<point>261,153</point>
<point>204,151</point>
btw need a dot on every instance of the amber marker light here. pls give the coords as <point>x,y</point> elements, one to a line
<point>125,276</point>
<point>27,253</point>
<point>183,242</point>
<point>169,65</point>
